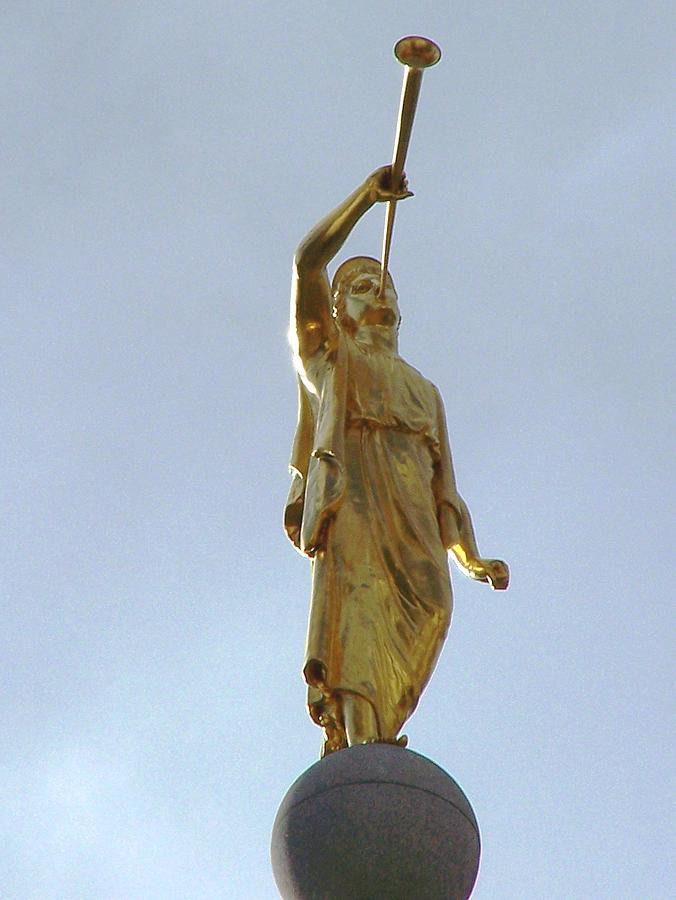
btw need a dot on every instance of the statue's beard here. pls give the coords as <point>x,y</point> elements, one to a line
<point>375,316</point>
<point>379,315</point>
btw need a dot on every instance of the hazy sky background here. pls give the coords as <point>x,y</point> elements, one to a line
<point>158,165</point>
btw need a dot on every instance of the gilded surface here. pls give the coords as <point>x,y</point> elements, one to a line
<point>373,499</point>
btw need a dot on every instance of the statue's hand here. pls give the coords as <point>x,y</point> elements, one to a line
<point>491,571</point>
<point>380,188</point>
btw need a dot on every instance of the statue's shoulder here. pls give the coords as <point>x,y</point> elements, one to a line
<point>418,376</point>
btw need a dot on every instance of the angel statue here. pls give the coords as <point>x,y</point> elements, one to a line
<point>373,500</point>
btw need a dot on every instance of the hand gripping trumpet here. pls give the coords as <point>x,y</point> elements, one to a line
<point>416,54</point>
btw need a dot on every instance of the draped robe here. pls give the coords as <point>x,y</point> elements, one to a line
<point>372,470</point>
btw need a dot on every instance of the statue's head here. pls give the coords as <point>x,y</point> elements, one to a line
<point>356,301</point>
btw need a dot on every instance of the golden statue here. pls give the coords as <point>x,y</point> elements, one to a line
<point>373,499</point>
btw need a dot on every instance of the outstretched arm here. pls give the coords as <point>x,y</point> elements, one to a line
<point>311,301</point>
<point>456,525</point>
<point>455,522</point>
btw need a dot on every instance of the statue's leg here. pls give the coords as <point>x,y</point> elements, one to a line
<point>334,739</point>
<point>326,711</point>
<point>360,720</point>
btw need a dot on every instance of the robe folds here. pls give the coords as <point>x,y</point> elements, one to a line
<point>372,470</point>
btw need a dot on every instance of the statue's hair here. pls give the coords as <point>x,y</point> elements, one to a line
<point>351,268</point>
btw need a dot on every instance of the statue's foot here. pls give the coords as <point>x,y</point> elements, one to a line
<point>401,741</point>
<point>334,741</point>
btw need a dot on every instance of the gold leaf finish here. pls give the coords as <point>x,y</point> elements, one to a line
<point>373,499</point>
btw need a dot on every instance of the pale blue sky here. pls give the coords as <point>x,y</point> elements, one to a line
<point>159,163</point>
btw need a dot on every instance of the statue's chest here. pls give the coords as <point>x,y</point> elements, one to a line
<point>385,390</point>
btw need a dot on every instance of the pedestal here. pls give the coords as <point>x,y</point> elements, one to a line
<point>375,821</point>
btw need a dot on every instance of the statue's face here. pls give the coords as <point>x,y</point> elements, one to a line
<point>366,306</point>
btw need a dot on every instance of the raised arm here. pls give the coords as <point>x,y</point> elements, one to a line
<point>311,301</point>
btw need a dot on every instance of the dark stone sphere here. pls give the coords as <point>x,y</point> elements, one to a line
<point>375,821</point>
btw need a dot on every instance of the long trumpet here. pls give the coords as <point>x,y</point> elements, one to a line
<point>415,53</point>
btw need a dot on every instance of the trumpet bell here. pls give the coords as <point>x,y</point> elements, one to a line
<point>417,52</point>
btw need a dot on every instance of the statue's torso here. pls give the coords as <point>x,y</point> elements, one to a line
<point>381,389</point>
<point>384,390</point>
